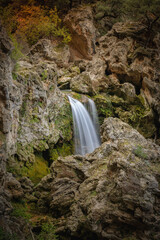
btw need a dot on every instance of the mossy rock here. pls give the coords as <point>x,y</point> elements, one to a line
<point>35,170</point>
<point>137,113</point>
<point>63,122</point>
<point>61,150</point>
<point>38,170</point>
<point>20,209</point>
<point>25,153</point>
<point>104,107</point>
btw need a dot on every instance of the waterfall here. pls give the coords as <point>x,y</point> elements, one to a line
<point>91,107</point>
<point>85,135</point>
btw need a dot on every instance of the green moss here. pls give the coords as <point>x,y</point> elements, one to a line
<point>40,145</point>
<point>93,194</point>
<point>53,154</point>
<point>20,210</point>
<point>44,75</point>
<point>137,114</point>
<point>25,153</point>
<point>27,163</point>
<point>23,108</point>
<point>104,107</point>
<point>38,170</point>
<point>47,232</point>
<point>139,152</point>
<point>77,95</point>
<point>63,122</point>
<point>14,76</point>
<point>40,104</point>
<point>17,51</point>
<point>75,69</point>
<point>34,119</point>
<point>117,101</point>
<point>61,150</point>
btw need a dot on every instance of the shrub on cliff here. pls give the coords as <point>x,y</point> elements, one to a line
<point>32,23</point>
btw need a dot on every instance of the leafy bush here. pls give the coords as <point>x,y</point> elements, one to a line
<point>32,23</point>
<point>20,210</point>
<point>47,232</point>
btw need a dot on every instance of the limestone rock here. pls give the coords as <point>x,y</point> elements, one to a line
<point>130,61</point>
<point>50,51</point>
<point>81,83</point>
<point>13,187</point>
<point>80,24</point>
<point>112,187</point>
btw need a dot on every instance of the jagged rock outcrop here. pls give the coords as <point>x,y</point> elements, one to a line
<point>80,24</point>
<point>10,188</point>
<point>112,193</point>
<point>34,115</point>
<point>115,187</point>
<point>120,57</point>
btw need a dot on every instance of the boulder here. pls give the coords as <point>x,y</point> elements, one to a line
<point>79,21</point>
<point>112,188</point>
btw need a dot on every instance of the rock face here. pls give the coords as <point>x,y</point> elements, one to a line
<point>130,61</point>
<point>80,23</point>
<point>34,116</point>
<point>10,188</point>
<point>121,58</point>
<point>112,193</point>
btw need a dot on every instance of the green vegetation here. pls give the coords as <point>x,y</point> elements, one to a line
<point>17,51</point>
<point>104,107</point>
<point>111,8</point>
<point>38,170</point>
<point>63,121</point>
<point>32,22</point>
<point>35,166</point>
<point>47,232</point>
<point>61,150</point>
<point>146,11</point>
<point>135,9</point>
<point>137,113</point>
<point>23,108</point>
<point>139,152</point>
<point>20,210</point>
<point>44,75</point>
<point>7,236</point>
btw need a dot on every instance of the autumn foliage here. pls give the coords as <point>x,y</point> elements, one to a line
<point>34,22</point>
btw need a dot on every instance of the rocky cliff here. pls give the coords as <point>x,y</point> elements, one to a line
<point>112,193</point>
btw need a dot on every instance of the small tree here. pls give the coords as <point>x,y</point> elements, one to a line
<point>148,10</point>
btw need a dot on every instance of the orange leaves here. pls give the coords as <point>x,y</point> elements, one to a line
<point>35,22</point>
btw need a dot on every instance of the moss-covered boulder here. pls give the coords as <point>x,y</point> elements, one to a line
<point>130,108</point>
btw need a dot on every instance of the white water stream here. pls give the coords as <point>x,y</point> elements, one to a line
<point>85,134</point>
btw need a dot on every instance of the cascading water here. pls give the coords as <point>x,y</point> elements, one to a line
<point>91,108</point>
<point>85,135</point>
